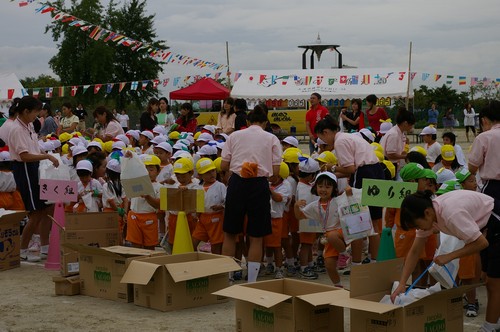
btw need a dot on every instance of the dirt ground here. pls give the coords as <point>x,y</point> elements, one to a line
<point>28,304</point>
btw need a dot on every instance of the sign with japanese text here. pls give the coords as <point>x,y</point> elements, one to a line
<point>58,190</point>
<point>386,193</point>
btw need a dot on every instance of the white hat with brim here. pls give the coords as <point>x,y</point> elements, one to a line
<point>291,141</point>
<point>328,174</point>
<point>84,165</point>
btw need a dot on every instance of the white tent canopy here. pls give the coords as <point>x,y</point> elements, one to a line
<point>330,83</point>
<point>10,88</point>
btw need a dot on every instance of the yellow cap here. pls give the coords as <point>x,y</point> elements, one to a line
<point>407,148</point>
<point>151,160</point>
<point>420,150</point>
<point>377,147</point>
<point>77,133</point>
<point>291,155</point>
<point>174,135</point>
<point>448,152</point>
<point>284,170</point>
<point>327,157</point>
<point>217,163</point>
<point>204,165</point>
<point>97,139</point>
<point>380,156</point>
<point>390,167</point>
<point>108,146</point>
<point>183,165</point>
<point>64,137</point>
<point>65,149</point>
<point>198,133</point>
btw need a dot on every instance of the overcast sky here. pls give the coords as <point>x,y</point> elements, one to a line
<point>450,37</point>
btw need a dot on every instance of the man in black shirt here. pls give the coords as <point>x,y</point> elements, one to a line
<point>81,113</point>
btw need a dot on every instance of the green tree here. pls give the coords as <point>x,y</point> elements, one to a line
<point>81,60</point>
<point>40,82</point>
<point>132,21</point>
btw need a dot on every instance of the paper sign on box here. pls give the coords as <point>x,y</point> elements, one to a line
<point>386,193</point>
<point>174,199</point>
<point>58,190</point>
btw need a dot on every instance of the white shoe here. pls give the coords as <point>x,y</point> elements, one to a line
<point>26,256</point>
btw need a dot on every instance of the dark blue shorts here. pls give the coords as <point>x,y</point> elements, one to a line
<point>248,197</point>
<point>374,171</point>
<point>27,182</point>
<point>490,257</point>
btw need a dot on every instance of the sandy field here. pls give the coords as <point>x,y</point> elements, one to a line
<point>29,304</point>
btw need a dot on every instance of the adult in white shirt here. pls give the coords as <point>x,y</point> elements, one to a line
<point>469,120</point>
<point>69,121</point>
<point>124,120</point>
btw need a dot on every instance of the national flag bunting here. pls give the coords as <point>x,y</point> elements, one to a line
<point>121,86</point>
<point>473,81</point>
<point>61,91</point>
<point>10,93</point>
<point>144,85</point>
<point>133,85</point>
<point>97,87</point>
<point>449,79</point>
<point>74,90</point>
<point>36,93</point>
<point>462,80</point>
<point>437,77</point>
<point>85,87</point>
<point>48,92</point>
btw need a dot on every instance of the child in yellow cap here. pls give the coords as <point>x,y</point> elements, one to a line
<point>183,170</point>
<point>281,192</point>
<point>142,221</point>
<point>447,159</point>
<point>209,226</point>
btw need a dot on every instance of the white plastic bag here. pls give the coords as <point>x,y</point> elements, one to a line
<point>90,203</point>
<point>355,218</point>
<point>135,177</point>
<point>448,244</point>
<point>47,171</point>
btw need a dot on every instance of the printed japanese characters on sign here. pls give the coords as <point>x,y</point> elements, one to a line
<point>58,190</point>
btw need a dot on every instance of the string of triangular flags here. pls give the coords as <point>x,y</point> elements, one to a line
<point>73,90</point>
<point>97,32</point>
<point>367,79</point>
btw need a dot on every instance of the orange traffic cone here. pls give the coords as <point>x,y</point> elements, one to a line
<point>54,256</point>
<point>182,239</point>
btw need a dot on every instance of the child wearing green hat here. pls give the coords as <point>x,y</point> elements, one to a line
<point>403,240</point>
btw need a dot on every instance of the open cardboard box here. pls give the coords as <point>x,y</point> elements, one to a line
<point>286,305</point>
<point>179,281</point>
<point>101,270</point>
<point>10,240</point>
<point>96,229</point>
<point>440,311</point>
<point>67,285</point>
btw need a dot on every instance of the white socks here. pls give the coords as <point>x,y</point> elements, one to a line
<point>490,327</point>
<point>253,271</point>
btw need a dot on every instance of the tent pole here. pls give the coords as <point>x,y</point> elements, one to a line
<point>409,80</point>
<point>228,71</point>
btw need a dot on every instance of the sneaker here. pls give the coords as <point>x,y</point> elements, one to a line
<point>205,247</point>
<point>291,271</point>
<point>319,269</point>
<point>262,271</point>
<point>26,256</point>
<point>308,274</point>
<point>238,275</point>
<point>366,261</point>
<point>344,261</point>
<point>279,274</point>
<point>320,261</point>
<point>471,310</point>
<point>34,244</point>
<point>269,269</point>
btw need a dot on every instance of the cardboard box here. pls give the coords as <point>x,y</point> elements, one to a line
<point>285,305</point>
<point>101,270</point>
<point>10,241</point>
<point>67,285</point>
<point>90,229</point>
<point>179,281</point>
<point>441,311</point>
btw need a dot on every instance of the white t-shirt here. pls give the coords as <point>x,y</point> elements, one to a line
<point>108,193</point>
<point>433,151</point>
<point>214,195</point>
<point>123,119</point>
<point>293,186</point>
<point>140,205</point>
<point>329,217</point>
<point>89,188</point>
<point>277,208</point>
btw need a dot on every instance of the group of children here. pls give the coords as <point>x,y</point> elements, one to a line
<point>305,189</point>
